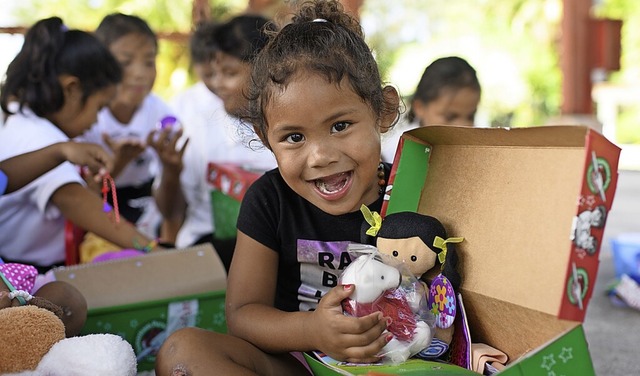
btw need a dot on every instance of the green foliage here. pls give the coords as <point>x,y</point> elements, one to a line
<point>627,124</point>
<point>512,45</point>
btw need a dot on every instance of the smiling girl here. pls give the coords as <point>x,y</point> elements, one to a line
<point>124,126</point>
<point>317,102</point>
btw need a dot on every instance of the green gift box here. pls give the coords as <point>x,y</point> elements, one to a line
<point>144,299</point>
<point>229,182</point>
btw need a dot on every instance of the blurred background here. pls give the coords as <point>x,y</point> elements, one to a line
<point>539,61</point>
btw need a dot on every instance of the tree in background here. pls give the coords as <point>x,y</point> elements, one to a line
<point>513,44</point>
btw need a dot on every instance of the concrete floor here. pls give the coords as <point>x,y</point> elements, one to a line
<point>613,333</point>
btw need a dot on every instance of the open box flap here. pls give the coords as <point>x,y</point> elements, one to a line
<point>514,329</point>
<point>512,194</point>
<point>154,276</point>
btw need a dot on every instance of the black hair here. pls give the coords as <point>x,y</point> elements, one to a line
<point>50,50</point>
<point>404,225</point>
<point>244,36</point>
<point>117,25</point>
<point>202,44</point>
<point>451,72</point>
<point>323,39</point>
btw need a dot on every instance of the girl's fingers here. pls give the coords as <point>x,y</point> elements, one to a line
<point>336,295</point>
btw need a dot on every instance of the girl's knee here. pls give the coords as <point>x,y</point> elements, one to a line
<point>170,358</point>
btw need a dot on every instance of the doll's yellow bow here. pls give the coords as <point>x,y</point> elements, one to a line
<point>438,242</point>
<point>373,218</point>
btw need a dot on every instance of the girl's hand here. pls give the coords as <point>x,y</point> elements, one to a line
<point>164,142</point>
<point>91,157</point>
<point>346,338</point>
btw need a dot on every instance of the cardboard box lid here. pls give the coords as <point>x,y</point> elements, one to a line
<point>515,196</point>
<point>154,276</point>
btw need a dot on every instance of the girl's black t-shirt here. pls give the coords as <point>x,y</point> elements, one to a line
<point>312,245</point>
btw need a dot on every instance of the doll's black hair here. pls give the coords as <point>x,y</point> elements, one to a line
<point>403,225</point>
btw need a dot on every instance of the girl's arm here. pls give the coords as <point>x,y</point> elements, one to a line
<point>23,169</point>
<point>84,208</point>
<point>250,313</point>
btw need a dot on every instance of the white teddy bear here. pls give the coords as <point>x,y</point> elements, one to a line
<point>378,288</point>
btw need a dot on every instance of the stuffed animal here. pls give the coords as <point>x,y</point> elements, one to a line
<point>33,329</point>
<point>380,287</point>
<point>420,242</point>
<point>91,354</point>
<point>27,333</point>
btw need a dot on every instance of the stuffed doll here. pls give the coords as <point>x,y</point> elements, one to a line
<point>420,242</point>
<point>379,287</point>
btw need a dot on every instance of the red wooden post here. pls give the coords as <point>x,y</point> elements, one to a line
<point>574,58</point>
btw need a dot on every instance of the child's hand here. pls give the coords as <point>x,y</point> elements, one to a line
<point>346,338</point>
<point>124,150</point>
<point>164,143</point>
<point>90,156</point>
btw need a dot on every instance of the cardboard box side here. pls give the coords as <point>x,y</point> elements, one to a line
<point>556,136</point>
<point>599,181</point>
<point>511,328</point>
<point>514,206</point>
<point>154,276</point>
<point>407,175</point>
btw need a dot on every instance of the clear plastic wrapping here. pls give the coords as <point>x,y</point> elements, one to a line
<point>386,285</point>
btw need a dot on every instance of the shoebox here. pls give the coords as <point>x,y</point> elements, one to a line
<point>228,182</point>
<point>531,204</point>
<point>143,299</point>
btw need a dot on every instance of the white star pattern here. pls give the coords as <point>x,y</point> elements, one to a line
<point>566,354</point>
<point>548,362</point>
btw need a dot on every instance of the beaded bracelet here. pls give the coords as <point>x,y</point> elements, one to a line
<point>22,296</point>
<point>152,244</point>
<point>147,248</point>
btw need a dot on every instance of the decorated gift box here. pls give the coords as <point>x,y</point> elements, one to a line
<point>531,204</point>
<point>229,182</point>
<point>143,299</point>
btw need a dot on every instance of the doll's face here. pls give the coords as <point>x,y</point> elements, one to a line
<point>416,255</point>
